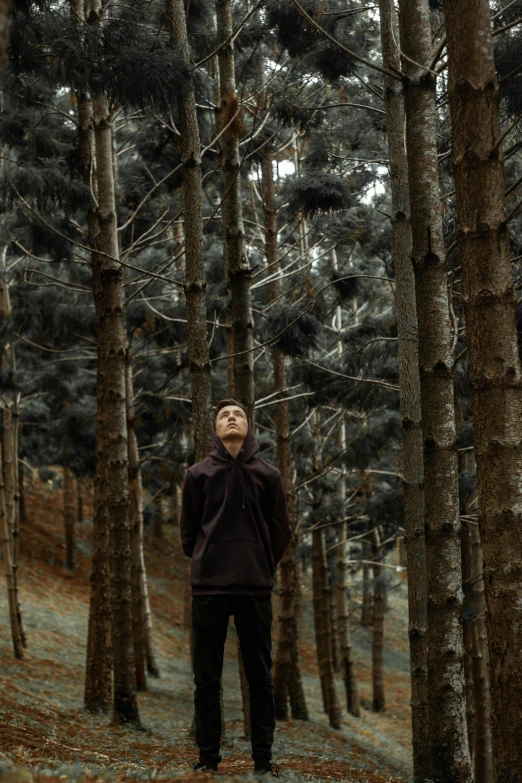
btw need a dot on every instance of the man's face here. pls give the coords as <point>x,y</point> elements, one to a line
<point>231,424</point>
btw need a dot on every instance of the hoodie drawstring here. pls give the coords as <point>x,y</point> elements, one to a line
<point>241,471</point>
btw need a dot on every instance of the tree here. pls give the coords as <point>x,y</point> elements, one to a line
<point>379,591</point>
<point>448,736</point>
<point>408,354</point>
<point>494,368</point>
<point>237,268</point>
<point>195,285</point>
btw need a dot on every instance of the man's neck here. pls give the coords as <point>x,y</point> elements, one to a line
<point>232,446</point>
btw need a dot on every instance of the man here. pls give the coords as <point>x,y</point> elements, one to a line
<point>234,526</point>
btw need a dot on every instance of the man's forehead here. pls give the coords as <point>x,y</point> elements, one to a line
<point>231,409</point>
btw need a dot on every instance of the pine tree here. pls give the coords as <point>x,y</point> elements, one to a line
<point>494,369</point>
<point>448,736</point>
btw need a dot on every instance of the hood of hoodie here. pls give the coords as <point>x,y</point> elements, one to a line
<point>249,448</point>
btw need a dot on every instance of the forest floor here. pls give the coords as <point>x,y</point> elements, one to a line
<point>48,737</point>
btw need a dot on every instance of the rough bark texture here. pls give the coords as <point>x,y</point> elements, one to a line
<point>367,597</point>
<point>483,759</point>
<point>79,500</point>
<point>69,517</point>
<point>195,285</point>
<point>136,527</point>
<point>448,740</point>
<point>321,607</point>
<point>5,24</point>
<point>494,369</point>
<point>343,615</point>
<point>98,674</point>
<point>468,623</point>
<point>287,675</point>
<point>111,396</point>
<point>16,635</point>
<point>378,701</point>
<point>238,271</point>
<point>409,381</point>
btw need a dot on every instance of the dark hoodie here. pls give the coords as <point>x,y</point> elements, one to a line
<point>234,521</point>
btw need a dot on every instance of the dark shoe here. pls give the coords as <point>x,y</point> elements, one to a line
<point>204,766</point>
<point>266,768</point>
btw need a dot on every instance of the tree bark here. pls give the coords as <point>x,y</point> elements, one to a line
<point>237,267</point>
<point>111,396</point>
<point>448,736</point>
<point>69,517</point>
<point>16,635</point>
<point>98,673</point>
<point>494,369</point>
<point>483,759</point>
<point>343,615</point>
<point>378,702</point>
<point>410,400</point>
<point>367,597</point>
<point>195,285</point>
<point>138,576</point>
<point>5,24</point>
<point>321,606</point>
<point>468,625</point>
<point>79,500</point>
<point>287,675</point>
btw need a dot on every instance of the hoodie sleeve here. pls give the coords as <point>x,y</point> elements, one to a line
<point>280,530</point>
<point>190,519</point>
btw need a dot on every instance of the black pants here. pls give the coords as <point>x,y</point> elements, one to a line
<point>253,621</point>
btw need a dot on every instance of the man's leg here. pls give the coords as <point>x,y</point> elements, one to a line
<point>209,626</point>
<point>253,620</point>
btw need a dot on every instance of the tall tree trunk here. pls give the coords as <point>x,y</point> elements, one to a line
<point>5,24</point>
<point>238,271</point>
<point>287,675</point>
<point>324,658</point>
<point>367,596</point>
<point>69,517</point>
<point>410,401</point>
<point>138,576</point>
<point>79,499</point>
<point>98,673</point>
<point>5,535</point>
<point>448,736</point>
<point>343,615</point>
<point>111,396</point>
<point>195,285</point>
<point>494,369</point>
<point>378,701</point>
<point>483,760</point>
<point>468,625</point>
<point>334,624</point>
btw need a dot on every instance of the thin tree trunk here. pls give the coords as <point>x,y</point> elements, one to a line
<point>343,615</point>
<point>410,400</point>
<point>287,674</point>
<point>238,271</point>
<point>5,24</point>
<point>483,760</point>
<point>367,597</point>
<point>378,702</point>
<point>98,673</point>
<point>16,635</point>
<point>448,735</point>
<point>334,624</point>
<point>69,517</point>
<point>138,576</point>
<point>468,625</point>
<point>112,404</point>
<point>79,500</point>
<point>195,285</point>
<point>494,369</point>
<point>324,658</point>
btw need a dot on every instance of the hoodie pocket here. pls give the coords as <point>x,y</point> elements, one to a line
<point>236,563</point>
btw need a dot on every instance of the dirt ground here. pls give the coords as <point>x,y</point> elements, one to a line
<point>45,734</point>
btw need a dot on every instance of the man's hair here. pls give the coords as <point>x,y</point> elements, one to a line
<point>225,403</point>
